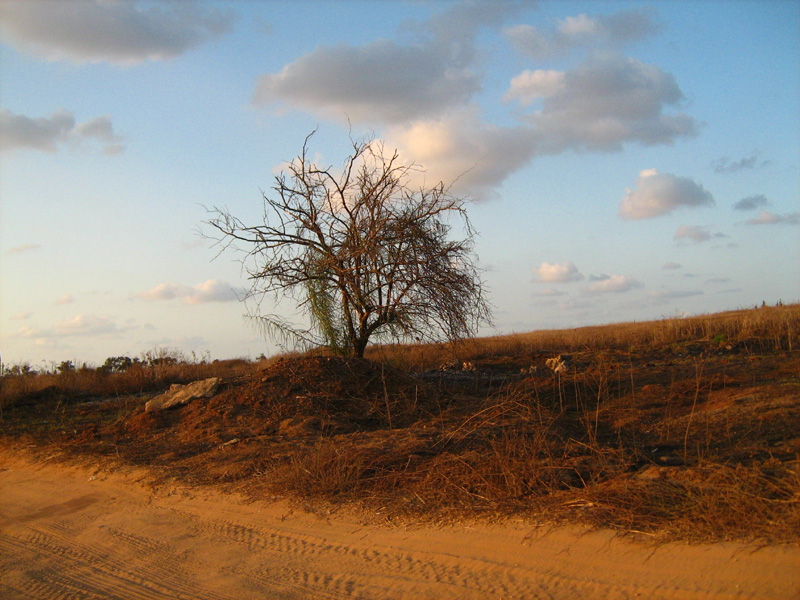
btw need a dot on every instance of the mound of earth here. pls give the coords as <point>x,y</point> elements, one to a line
<point>291,396</point>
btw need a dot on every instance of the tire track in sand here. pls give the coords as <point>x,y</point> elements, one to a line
<point>114,538</point>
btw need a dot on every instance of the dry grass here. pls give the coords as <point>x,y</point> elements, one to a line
<point>767,328</point>
<point>95,383</point>
<point>677,429</point>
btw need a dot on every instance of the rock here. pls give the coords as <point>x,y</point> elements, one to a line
<point>183,394</point>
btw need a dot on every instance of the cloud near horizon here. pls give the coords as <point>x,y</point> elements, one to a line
<point>657,194</point>
<point>122,33</point>
<point>612,283</point>
<point>48,133</point>
<point>558,273</point>
<point>212,290</point>
<point>78,325</point>
<point>765,217</point>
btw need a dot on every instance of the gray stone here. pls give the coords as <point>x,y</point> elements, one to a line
<point>183,394</point>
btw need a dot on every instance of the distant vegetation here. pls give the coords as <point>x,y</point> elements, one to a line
<point>765,328</point>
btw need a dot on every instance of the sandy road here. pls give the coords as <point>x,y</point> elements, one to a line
<point>73,532</point>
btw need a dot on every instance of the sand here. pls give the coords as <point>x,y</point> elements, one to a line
<point>70,531</point>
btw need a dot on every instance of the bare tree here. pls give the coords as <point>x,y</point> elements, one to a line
<point>362,252</point>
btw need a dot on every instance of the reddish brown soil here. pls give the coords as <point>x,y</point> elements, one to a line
<point>639,440</point>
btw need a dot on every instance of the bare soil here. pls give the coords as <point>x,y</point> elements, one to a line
<point>86,532</point>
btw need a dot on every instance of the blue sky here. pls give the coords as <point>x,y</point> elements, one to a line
<point>625,160</point>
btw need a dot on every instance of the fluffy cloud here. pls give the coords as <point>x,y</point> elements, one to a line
<point>423,91</point>
<point>46,133</point>
<point>725,165</point>
<point>531,85</point>
<point>612,283</point>
<point>84,325</point>
<point>605,102</point>
<point>660,193</point>
<point>116,32</point>
<point>751,202</point>
<point>767,218</point>
<point>212,290</point>
<point>381,81</point>
<point>76,326</point>
<point>561,273</point>
<point>582,31</point>
<point>460,148</point>
<point>389,82</point>
<point>66,299</point>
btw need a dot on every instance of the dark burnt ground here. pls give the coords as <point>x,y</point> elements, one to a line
<point>694,441</point>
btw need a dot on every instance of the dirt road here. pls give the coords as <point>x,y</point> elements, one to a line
<point>77,532</point>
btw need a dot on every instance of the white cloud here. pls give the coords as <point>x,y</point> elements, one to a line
<point>381,81</point>
<point>46,133</point>
<point>660,193</point>
<point>109,31</point>
<point>751,202</point>
<point>23,316</point>
<point>83,325</point>
<point>76,326</point>
<point>530,85</point>
<point>423,90</point>
<point>583,31</point>
<point>66,299</point>
<point>461,147</point>
<point>212,290</point>
<point>561,273</point>
<point>389,82</point>
<point>607,101</point>
<point>767,218</point>
<point>671,266</point>
<point>612,283</point>
<point>550,292</point>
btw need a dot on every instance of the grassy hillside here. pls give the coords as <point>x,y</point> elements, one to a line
<point>678,428</point>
